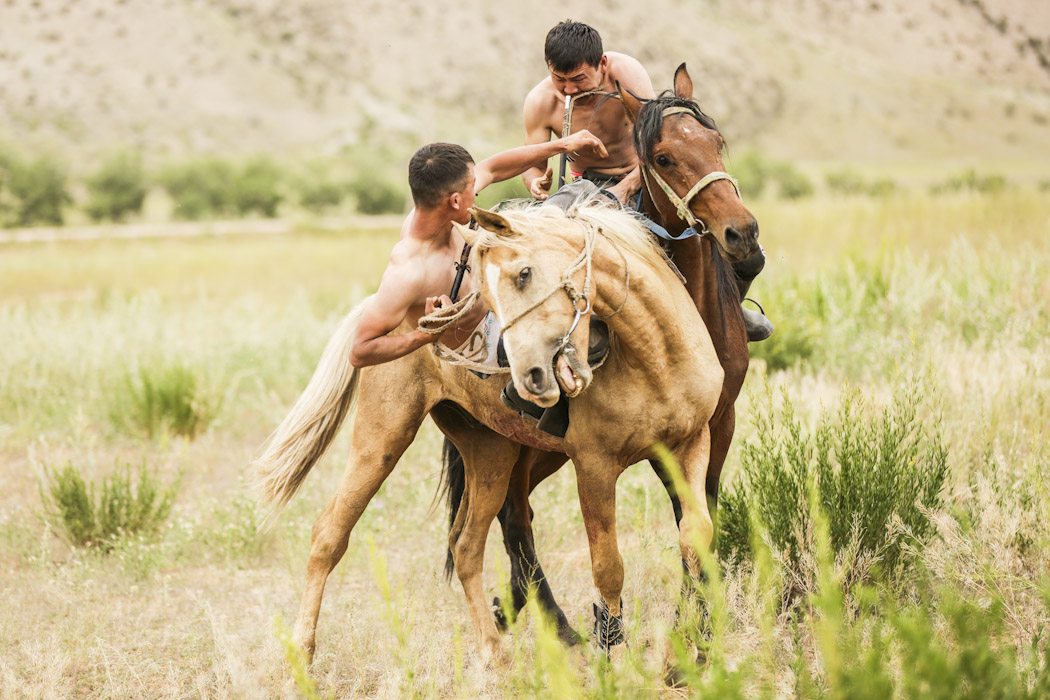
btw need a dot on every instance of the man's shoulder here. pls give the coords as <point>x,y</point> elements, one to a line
<point>542,96</point>
<point>620,64</point>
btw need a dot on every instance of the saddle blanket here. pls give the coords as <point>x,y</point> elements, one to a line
<point>481,346</point>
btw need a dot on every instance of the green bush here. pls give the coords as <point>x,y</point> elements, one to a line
<point>101,515</point>
<point>116,189</point>
<point>848,182</point>
<point>200,188</point>
<point>791,184</point>
<point>257,188</point>
<point>318,191</point>
<point>376,193</point>
<point>970,181</point>
<point>752,172</point>
<point>163,399</point>
<point>868,470</point>
<point>38,190</point>
<point>1044,185</point>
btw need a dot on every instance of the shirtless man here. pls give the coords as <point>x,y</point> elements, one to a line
<point>577,64</point>
<point>419,276</point>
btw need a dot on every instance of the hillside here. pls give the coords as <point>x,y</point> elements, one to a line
<point>954,81</point>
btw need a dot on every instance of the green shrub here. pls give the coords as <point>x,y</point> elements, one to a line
<point>848,182</point>
<point>38,190</point>
<point>376,193</point>
<point>257,188</point>
<point>752,172</point>
<point>1044,186</point>
<point>200,188</point>
<point>799,313</point>
<point>970,181</point>
<point>791,184</point>
<point>101,515</point>
<point>117,189</point>
<point>869,470</point>
<point>163,399</point>
<point>318,191</point>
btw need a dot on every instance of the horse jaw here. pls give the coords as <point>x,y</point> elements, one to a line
<point>573,375</point>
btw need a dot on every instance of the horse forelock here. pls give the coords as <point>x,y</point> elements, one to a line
<point>649,124</point>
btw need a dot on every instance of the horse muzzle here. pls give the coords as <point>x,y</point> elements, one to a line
<point>565,372</point>
<point>738,241</point>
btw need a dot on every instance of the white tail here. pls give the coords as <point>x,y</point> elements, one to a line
<point>306,432</point>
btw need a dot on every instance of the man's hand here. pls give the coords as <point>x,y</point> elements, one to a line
<point>584,139</point>
<point>435,303</point>
<point>540,188</point>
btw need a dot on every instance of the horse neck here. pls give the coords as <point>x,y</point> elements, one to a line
<point>695,258</point>
<point>655,320</point>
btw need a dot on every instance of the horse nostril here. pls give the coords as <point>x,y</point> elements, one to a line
<point>733,237</point>
<point>534,380</point>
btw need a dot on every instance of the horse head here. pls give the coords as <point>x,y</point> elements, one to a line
<point>680,154</point>
<point>538,295</point>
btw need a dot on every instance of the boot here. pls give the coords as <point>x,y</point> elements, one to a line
<point>758,326</point>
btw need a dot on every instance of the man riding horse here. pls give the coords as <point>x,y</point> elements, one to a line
<point>580,91</point>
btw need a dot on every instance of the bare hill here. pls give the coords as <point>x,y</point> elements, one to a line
<point>881,80</point>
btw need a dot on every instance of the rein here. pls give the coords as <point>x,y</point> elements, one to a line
<point>682,203</point>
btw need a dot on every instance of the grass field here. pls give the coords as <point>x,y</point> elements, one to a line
<point>942,300</point>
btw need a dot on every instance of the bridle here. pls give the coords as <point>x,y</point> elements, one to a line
<point>579,298</point>
<point>682,203</point>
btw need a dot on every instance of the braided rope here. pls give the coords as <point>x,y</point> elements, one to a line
<point>447,316</point>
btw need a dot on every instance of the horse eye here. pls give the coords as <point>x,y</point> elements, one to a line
<point>523,277</point>
<point>663,161</point>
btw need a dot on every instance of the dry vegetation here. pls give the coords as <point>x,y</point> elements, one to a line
<point>942,293</point>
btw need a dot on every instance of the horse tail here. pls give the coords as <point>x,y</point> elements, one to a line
<point>453,476</point>
<point>308,430</point>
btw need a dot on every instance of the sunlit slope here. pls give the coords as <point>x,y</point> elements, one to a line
<point>817,79</point>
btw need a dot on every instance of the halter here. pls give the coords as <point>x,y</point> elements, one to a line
<point>682,203</point>
<point>580,299</point>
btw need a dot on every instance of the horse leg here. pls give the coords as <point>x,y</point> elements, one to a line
<point>515,519</point>
<point>373,454</point>
<point>596,483</point>
<point>488,461</point>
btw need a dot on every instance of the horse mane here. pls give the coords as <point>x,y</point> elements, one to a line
<point>624,228</point>
<point>650,121</point>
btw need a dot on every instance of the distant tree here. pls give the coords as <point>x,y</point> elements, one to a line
<point>117,189</point>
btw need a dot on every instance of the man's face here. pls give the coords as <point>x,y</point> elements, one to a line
<point>465,199</point>
<point>580,79</point>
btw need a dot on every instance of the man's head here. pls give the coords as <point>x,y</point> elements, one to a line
<point>575,57</point>
<point>442,174</point>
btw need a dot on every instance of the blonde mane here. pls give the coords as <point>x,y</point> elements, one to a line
<point>624,228</point>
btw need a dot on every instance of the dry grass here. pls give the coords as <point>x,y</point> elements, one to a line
<point>199,612</point>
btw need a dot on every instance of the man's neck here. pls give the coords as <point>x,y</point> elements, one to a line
<point>431,226</point>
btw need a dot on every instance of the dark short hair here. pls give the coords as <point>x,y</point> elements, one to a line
<point>436,171</point>
<point>572,44</point>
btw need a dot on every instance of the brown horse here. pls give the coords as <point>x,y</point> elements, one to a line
<point>539,271</point>
<point>681,147</point>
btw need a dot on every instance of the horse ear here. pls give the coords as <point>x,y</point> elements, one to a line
<point>631,104</point>
<point>470,236</point>
<point>491,221</point>
<point>683,84</point>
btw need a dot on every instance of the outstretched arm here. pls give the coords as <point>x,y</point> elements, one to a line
<point>508,164</point>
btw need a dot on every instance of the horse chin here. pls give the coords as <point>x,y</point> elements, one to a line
<point>573,375</point>
<point>735,255</point>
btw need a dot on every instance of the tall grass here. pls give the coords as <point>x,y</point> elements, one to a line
<point>124,504</point>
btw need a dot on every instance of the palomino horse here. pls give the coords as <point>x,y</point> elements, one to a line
<point>539,271</point>
<point>679,147</point>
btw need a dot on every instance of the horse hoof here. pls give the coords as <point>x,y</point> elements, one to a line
<point>501,617</point>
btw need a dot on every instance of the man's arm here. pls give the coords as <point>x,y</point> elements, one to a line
<point>537,131</point>
<point>373,344</point>
<point>508,164</point>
